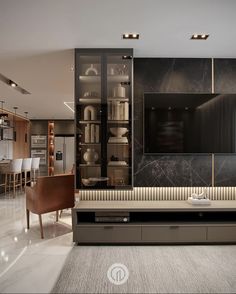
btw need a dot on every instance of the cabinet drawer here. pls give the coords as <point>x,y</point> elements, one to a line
<point>221,234</point>
<point>173,234</point>
<point>108,233</point>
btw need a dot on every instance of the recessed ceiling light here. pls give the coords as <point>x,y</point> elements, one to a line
<point>127,57</point>
<point>199,37</point>
<point>14,85</point>
<point>131,36</point>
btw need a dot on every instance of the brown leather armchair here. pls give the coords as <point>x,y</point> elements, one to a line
<point>51,193</point>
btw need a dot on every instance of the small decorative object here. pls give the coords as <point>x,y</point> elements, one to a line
<point>97,134</point>
<point>114,158</point>
<point>126,111</point>
<point>112,71</point>
<point>199,199</point>
<point>118,133</point>
<point>87,134</point>
<point>90,156</point>
<point>90,113</point>
<point>87,182</point>
<point>91,94</point>
<point>91,71</point>
<point>119,91</point>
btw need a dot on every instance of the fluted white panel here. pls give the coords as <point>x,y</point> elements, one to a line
<point>158,193</point>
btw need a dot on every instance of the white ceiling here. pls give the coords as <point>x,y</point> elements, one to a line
<point>37,38</point>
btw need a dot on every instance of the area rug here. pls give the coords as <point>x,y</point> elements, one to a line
<point>151,269</point>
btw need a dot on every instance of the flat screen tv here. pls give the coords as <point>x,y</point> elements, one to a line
<point>189,123</point>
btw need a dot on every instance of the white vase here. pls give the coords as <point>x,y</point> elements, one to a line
<point>90,156</point>
<point>119,91</point>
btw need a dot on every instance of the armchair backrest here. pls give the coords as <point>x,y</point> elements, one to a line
<point>51,193</point>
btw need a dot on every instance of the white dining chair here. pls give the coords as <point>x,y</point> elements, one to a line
<point>14,175</point>
<point>35,168</point>
<point>26,169</point>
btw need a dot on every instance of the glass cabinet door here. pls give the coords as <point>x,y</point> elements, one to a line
<point>119,120</point>
<point>103,100</point>
<point>88,123</point>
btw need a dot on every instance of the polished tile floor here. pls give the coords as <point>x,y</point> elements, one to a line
<point>29,264</point>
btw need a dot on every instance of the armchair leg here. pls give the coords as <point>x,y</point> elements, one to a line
<point>28,218</point>
<point>41,226</point>
<point>57,213</point>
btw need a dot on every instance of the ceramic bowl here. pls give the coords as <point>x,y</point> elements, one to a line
<point>118,132</point>
<point>87,182</point>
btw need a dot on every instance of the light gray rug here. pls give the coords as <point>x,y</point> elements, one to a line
<point>152,269</point>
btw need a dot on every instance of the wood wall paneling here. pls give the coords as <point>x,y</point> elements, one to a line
<point>21,146</point>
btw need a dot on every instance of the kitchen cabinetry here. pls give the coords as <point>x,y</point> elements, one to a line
<point>103,106</point>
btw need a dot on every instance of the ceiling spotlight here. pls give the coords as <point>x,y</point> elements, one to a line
<point>127,57</point>
<point>12,84</point>
<point>199,37</point>
<point>130,36</point>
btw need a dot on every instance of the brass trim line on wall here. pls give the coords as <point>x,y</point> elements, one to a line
<point>212,76</point>
<point>213,170</point>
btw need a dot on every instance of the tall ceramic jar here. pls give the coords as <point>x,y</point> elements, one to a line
<point>90,156</point>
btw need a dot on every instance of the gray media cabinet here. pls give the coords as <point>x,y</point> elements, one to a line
<point>140,222</point>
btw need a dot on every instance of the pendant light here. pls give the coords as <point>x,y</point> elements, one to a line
<point>26,134</point>
<point>3,116</point>
<point>14,123</point>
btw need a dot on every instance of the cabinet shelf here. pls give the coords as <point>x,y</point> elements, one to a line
<point>89,165</point>
<point>90,101</point>
<point>118,121</point>
<point>118,166</point>
<point>85,144</point>
<point>89,121</point>
<point>118,78</point>
<point>118,144</point>
<point>120,99</point>
<point>90,79</point>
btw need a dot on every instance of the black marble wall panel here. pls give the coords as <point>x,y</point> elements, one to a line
<point>168,75</point>
<point>225,170</point>
<point>225,75</point>
<point>225,82</point>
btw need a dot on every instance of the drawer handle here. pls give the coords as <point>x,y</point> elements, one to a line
<point>108,227</point>
<point>174,227</point>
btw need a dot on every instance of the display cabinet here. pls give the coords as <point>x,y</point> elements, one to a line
<point>103,105</point>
